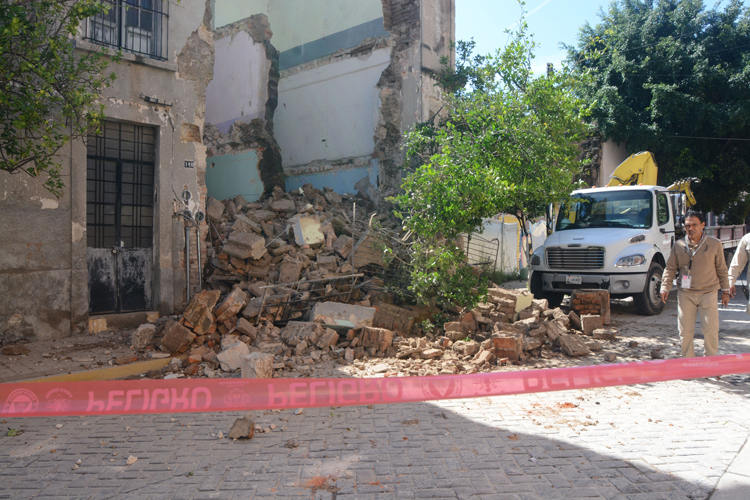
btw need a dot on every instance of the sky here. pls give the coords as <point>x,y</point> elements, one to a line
<point>550,21</point>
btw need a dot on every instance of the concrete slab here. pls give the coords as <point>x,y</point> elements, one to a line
<point>344,315</point>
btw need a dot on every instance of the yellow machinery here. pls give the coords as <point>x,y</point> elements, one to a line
<point>640,168</point>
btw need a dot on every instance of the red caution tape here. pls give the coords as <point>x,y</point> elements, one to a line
<point>212,395</point>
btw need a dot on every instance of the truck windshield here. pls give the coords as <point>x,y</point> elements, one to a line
<point>607,209</point>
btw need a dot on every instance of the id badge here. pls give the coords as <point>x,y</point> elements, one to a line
<point>685,284</point>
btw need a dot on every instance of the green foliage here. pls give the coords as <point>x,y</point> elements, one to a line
<point>500,277</point>
<point>47,88</point>
<point>507,141</point>
<point>665,74</point>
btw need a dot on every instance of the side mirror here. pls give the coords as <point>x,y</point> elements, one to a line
<point>662,230</point>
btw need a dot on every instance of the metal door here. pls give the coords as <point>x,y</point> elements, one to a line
<point>119,210</point>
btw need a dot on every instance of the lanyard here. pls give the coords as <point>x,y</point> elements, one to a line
<point>700,244</point>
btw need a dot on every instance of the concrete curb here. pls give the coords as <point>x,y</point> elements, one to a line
<point>113,373</point>
<point>735,483</point>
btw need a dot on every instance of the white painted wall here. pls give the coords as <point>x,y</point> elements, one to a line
<point>239,89</point>
<point>297,22</point>
<point>329,112</point>
<point>613,153</point>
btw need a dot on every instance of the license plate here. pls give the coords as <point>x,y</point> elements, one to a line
<point>573,280</point>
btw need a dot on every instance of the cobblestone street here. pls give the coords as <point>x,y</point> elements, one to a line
<point>672,440</point>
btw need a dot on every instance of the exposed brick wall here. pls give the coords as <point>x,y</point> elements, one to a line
<point>591,302</point>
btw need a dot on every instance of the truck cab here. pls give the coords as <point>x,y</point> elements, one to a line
<point>613,238</point>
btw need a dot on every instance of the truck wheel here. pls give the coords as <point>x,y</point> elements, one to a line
<point>648,303</point>
<point>537,290</point>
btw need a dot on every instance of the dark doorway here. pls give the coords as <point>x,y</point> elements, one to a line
<point>119,217</point>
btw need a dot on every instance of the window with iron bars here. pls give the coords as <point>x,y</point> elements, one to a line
<point>138,26</point>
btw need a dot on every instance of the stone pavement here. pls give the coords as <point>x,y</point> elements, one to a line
<point>671,440</point>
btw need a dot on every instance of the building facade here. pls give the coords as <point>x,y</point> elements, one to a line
<point>110,244</point>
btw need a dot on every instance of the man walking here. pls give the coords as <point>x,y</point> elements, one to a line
<point>699,258</point>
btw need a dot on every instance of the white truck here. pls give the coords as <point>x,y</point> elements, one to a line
<point>618,238</point>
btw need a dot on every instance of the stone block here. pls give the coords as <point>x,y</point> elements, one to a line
<point>432,353</point>
<point>343,246</point>
<point>246,224</point>
<point>455,330</point>
<point>257,365</point>
<point>590,322</point>
<point>231,358</point>
<point>466,348</point>
<point>395,318</point>
<point>483,357</point>
<point>245,245</point>
<point>243,427</point>
<point>298,331</point>
<point>289,271</point>
<point>283,205</point>
<point>228,341</point>
<point>261,215</point>
<point>530,343</point>
<point>176,339</point>
<point>329,339</point>
<point>333,197</point>
<point>327,262</point>
<point>252,309</point>
<point>554,329</point>
<point>214,209</point>
<point>379,339</point>
<point>573,345</point>
<point>610,356</point>
<point>338,314</point>
<point>367,251</point>
<point>247,328</point>
<point>142,336</point>
<point>307,231</point>
<point>605,334</point>
<point>199,312</point>
<point>232,305</point>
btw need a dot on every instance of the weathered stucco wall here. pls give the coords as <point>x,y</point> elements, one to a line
<point>243,156</point>
<point>43,264</point>
<point>240,89</point>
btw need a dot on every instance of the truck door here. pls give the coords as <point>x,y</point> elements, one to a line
<point>665,238</point>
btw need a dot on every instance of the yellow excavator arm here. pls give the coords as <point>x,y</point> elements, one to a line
<point>640,168</point>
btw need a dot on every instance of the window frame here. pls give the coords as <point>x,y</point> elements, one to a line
<point>116,29</point>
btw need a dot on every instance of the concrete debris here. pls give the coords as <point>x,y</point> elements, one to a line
<point>231,358</point>
<point>346,315</point>
<point>257,365</point>
<point>243,428</point>
<point>177,338</point>
<point>143,336</point>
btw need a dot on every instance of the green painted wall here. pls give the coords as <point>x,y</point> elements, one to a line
<point>233,174</point>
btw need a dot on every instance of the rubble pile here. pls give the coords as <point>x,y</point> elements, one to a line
<point>264,255</point>
<point>510,328</point>
<point>306,234</point>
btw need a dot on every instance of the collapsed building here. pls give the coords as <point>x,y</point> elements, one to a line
<point>319,93</point>
<point>224,97</point>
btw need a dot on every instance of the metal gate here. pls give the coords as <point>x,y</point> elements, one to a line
<point>119,217</point>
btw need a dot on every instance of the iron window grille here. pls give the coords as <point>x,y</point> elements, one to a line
<point>120,186</point>
<point>138,26</point>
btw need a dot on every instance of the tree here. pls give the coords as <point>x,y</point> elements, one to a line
<point>673,78</point>
<point>508,143</point>
<point>47,88</point>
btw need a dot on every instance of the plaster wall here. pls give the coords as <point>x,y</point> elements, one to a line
<point>239,89</point>
<point>234,174</point>
<point>330,112</point>
<point>613,153</point>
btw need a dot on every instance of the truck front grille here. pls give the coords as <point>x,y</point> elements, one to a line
<point>575,258</point>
